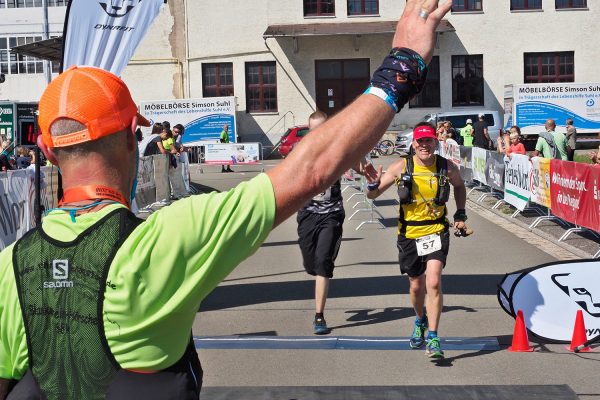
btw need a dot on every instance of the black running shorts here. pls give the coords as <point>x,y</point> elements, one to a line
<point>319,237</point>
<point>414,265</point>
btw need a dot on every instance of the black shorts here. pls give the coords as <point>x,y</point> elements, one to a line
<point>414,265</point>
<point>319,237</point>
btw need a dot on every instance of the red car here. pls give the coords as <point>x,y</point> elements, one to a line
<point>291,138</point>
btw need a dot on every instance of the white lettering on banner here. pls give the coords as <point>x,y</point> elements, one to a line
<point>567,200</point>
<point>569,183</point>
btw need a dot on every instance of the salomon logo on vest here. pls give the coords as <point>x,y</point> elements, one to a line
<point>60,274</point>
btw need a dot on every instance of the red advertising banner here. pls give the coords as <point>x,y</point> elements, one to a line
<point>575,193</point>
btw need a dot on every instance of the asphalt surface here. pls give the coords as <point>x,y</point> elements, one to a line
<point>270,295</point>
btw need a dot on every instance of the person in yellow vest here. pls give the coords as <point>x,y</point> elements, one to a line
<point>467,134</point>
<point>423,183</point>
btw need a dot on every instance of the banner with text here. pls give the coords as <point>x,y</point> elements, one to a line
<point>451,152</point>
<point>516,181</point>
<point>575,193</point>
<point>16,209</point>
<point>495,166</point>
<point>106,33</point>
<point>246,153</point>
<point>202,119</point>
<point>466,169</point>
<point>478,162</point>
<point>539,181</point>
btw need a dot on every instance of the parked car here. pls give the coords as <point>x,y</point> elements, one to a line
<point>458,120</point>
<point>291,138</point>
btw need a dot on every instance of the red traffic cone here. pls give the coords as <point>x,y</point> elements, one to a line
<point>579,333</point>
<point>520,341</point>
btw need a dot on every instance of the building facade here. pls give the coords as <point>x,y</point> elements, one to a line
<point>282,59</point>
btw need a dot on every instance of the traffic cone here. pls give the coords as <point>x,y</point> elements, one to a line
<point>520,342</point>
<point>579,333</point>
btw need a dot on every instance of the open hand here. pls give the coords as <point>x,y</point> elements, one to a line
<point>416,28</point>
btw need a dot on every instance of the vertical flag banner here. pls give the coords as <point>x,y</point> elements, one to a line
<point>466,169</point>
<point>105,33</point>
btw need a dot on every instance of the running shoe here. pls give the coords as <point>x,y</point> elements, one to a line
<point>320,326</point>
<point>418,336</point>
<point>433,349</point>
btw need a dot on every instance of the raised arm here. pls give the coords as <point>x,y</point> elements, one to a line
<point>315,163</point>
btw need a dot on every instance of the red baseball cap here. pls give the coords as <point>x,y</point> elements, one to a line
<point>91,96</point>
<point>424,131</point>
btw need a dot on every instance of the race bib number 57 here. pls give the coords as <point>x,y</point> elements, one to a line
<point>428,244</point>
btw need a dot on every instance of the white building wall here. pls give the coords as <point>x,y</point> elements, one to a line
<point>166,66</point>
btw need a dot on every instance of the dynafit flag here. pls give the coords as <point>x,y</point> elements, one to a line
<point>105,33</point>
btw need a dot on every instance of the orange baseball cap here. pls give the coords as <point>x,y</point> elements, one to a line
<point>92,96</point>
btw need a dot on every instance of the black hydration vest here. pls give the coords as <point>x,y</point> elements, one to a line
<point>405,183</point>
<point>61,288</point>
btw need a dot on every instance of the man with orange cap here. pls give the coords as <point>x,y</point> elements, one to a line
<point>89,307</point>
<point>423,183</point>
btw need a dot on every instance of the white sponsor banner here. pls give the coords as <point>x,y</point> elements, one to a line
<point>478,163</point>
<point>550,296</point>
<point>238,153</point>
<point>105,33</point>
<point>516,181</point>
<point>451,152</point>
<point>203,119</point>
<point>16,208</point>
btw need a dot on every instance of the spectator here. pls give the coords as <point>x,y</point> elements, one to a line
<point>467,133</point>
<point>515,146</point>
<point>595,155</point>
<point>571,137</point>
<point>224,138</point>
<point>452,132</point>
<point>503,142</point>
<point>23,159</point>
<point>168,145</point>
<point>551,144</point>
<point>5,164</point>
<point>481,136</point>
<point>166,125</point>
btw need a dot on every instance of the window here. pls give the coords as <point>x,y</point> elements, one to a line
<point>363,7</point>
<point>467,80</point>
<point>31,3</point>
<point>570,4</point>
<point>11,63</point>
<point>319,7</point>
<point>261,87</point>
<point>550,67</point>
<point>525,4</point>
<point>466,5</point>
<point>217,80</point>
<point>430,95</point>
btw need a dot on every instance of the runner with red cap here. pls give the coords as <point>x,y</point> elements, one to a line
<point>423,183</point>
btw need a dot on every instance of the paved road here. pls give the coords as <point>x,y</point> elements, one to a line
<point>269,294</point>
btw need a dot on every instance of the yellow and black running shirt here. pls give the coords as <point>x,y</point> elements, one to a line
<point>423,207</point>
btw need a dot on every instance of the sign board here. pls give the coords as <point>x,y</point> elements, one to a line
<point>25,124</point>
<point>203,119</point>
<point>550,296</point>
<point>232,154</point>
<point>516,181</point>
<point>539,181</point>
<point>535,103</point>
<point>479,164</point>
<point>7,120</point>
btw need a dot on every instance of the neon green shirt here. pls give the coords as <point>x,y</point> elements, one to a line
<point>148,313</point>
<point>168,143</point>
<point>466,134</point>
<point>224,137</point>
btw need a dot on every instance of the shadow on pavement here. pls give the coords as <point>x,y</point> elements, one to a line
<point>364,317</point>
<point>245,294</point>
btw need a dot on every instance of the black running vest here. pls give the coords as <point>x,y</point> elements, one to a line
<point>61,288</point>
